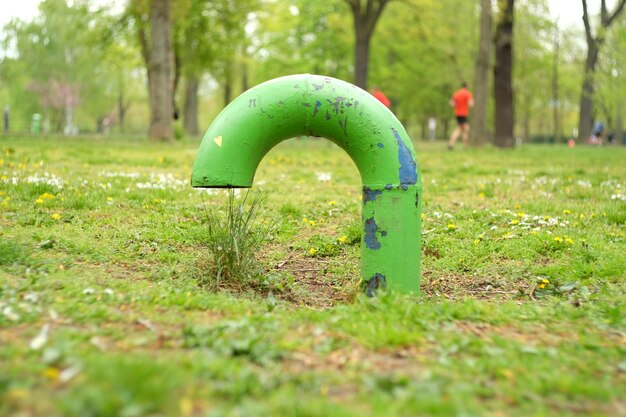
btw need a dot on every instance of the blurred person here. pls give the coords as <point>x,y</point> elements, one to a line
<point>380,96</point>
<point>461,100</point>
<point>432,128</point>
<point>597,133</point>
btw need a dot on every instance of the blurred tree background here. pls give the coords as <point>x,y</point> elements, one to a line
<point>167,67</point>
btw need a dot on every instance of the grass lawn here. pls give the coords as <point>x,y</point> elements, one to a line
<point>103,247</point>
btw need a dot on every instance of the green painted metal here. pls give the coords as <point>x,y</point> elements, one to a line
<point>314,105</point>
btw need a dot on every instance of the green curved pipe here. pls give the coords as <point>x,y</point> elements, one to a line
<point>314,105</point>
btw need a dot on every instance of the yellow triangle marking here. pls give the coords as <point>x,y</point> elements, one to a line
<point>218,141</point>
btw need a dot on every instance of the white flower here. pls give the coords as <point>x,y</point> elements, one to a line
<point>323,176</point>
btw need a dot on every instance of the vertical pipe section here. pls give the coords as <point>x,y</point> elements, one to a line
<point>313,105</point>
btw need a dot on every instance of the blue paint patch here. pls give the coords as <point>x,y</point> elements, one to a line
<point>380,145</point>
<point>404,187</point>
<point>317,107</point>
<point>370,195</point>
<point>371,241</point>
<point>408,168</point>
<point>383,233</point>
<point>374,283</point>
<point>388,187</point>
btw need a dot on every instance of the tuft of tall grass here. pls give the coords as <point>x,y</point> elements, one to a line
<point>234,236</point>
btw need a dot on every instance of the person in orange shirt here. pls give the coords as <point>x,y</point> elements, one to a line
<point>376,92</point>
<point>461,100</point>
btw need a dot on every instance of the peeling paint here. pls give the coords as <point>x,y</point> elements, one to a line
<point>317,107</point>
<point>408,167</point>
<point>370,195</point>
<point>344,125</point>
<point>381,145</point>
<point>374,283</point>
<point>371,241</point>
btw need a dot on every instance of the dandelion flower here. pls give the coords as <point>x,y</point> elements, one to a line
<point>55,216</point>
<point>39,201</point>
<point>451,226</point>
<point>481,195</point>
<point>558,239</point>
<point>312,251</point>
<point>423,216</point>
<point>312,223</point>
<point>566,211</point>
<point>332,203</point>
<point>342,239</point>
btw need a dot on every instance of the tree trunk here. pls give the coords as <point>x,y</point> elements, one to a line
<point>121,110</point>
<point>481,79</point>
<point>245,85</point>
<point>361,55</point>
<point>160,70</point>
<point>585,122</point>
<point>228,87</point>
<point>191,105</point>
<point>619,124</point>
<point>366,14</point>
<point>503,89</point>
<point>556,126</point>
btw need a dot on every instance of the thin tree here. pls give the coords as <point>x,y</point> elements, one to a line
<point>556,125</point>
<point>594,43</point>
<point>481,77</point>
<point>156,50</point>
<point>502,74</point>
<point>366,14</point>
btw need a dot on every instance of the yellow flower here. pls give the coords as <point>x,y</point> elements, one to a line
<point>342,239</point>
<point>558,239</point>
<point>514,221</point>
<point>566,211</point>
<point>451,226</point>
<point>541,286</point>
<point>520,214</point>
<point>109,198</point>
<point>569,241</point>
<point>581,216</point>
<point>517,206</point>
<point>55,216</point>
<point>1,162</point>
<point>47,196</point>
<point>332,203</point>
<point>312,223</point>
<point>423,215</point>
<point>312,251</point>
<point>39,201</point>
<point>305,220</point>
<point>481,195</point>
<point>161,159</point>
